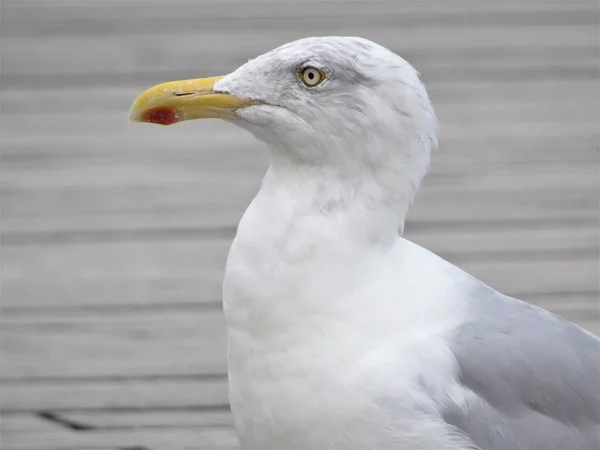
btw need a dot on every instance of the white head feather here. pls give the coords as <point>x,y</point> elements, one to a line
<point>368,128</point>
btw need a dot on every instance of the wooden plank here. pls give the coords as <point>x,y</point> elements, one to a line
<point>203,204</point>
<point>119,395</point>
<point>96,295</point>
<point>204,256</point>
<point>469,240</point>
<point>138,344</point>
<point>144,52</point>
<point>482,91</point>
<point>109,226</point>
<point>26,177</point>
<point>215,438</point>
<point>118,261</point>
<point>151,419</point>
<point>210,17</point>
<point>189,267</point>
<point>299,19</point>
<point>21,11</point>
<point>578,307</point>
<point>541,276</point>
<point>172,382</point>
<point>481,153</point>
<point>492,64</point>
<point>25,423</point>
<point>55,11</point>
<point>176,294</point>
<point>79,173</point>
<point>35,81</point>
<point>127,347</point>
<point>592,325</point>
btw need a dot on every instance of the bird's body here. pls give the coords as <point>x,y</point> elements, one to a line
<point>342,334</point>
<point>310,333</point>
<point>344,337</point>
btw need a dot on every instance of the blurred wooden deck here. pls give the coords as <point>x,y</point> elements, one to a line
<point>115,235</point>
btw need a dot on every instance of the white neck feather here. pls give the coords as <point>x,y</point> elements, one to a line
<point>370,203</point>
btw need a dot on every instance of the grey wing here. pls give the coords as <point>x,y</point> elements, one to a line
<point>535,377</point>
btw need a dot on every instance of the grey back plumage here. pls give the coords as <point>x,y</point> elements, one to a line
<point>535,376</point>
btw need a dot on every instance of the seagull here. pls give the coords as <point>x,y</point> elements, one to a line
<point>341,333</point>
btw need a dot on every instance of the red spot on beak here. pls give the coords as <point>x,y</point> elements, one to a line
<point>162,115</point>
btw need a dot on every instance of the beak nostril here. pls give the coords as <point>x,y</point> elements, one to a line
<point>182,94</point>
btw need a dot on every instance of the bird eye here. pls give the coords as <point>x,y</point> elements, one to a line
<point>311,76</point>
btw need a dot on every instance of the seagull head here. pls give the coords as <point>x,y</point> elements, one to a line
<point>344,103</point>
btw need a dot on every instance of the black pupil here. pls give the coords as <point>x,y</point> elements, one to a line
<point>311,75</point>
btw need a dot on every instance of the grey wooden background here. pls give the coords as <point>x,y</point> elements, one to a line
<point>114,235</point>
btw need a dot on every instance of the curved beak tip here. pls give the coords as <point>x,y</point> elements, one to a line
<point>176,101</point>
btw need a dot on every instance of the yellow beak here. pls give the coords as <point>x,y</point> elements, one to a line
<point>176,101</point>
